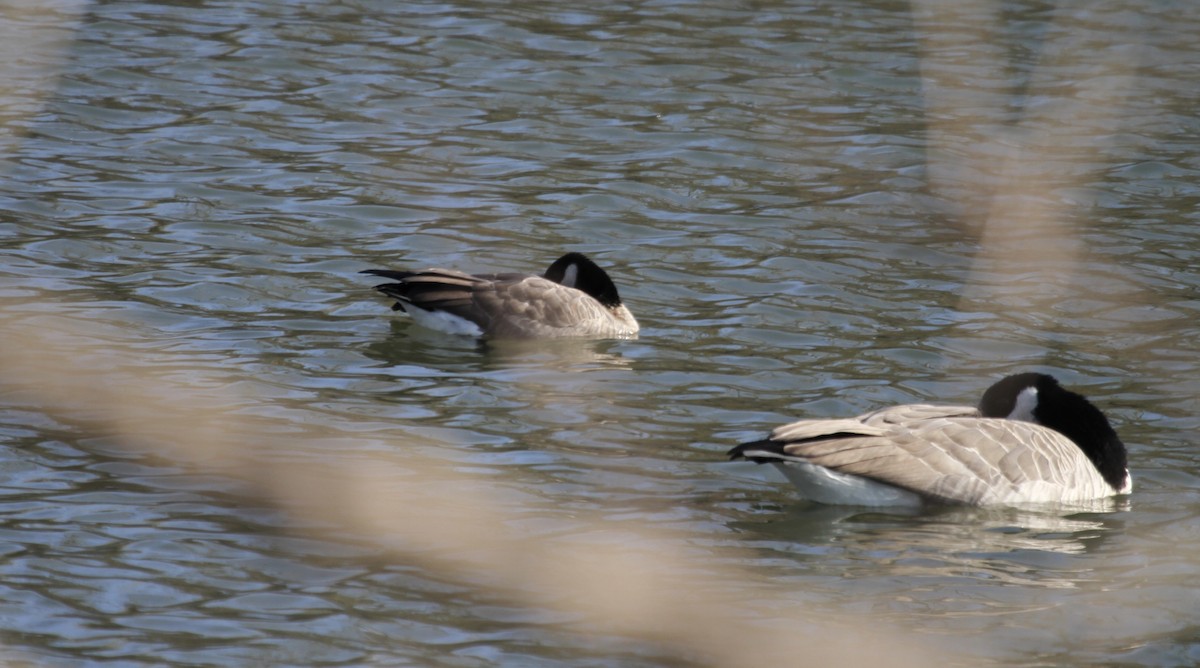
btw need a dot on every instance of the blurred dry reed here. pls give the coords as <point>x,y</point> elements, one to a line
<point>423,511</point>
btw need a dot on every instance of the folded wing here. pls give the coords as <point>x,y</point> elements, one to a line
<point>502,305</point>
<point>946,454</point>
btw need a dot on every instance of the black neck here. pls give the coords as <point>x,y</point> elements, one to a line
<point>1075,417</point>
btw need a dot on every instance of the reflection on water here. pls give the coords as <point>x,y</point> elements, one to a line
<point>951,532</point>
<point>411,343</point>
<point>814,211</point>
<point>574,356</point>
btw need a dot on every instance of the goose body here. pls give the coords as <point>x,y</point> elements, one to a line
<point>1029,441</point>
<point>574,298</point>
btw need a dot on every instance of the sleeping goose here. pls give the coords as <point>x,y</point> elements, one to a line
<point>574,298</point>
<point>1030,441</point>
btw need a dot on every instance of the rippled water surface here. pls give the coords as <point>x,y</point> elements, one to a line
<point>812,209</point>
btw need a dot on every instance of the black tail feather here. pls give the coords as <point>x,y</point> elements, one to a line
<point>388,273</point>
<point>765,445</point>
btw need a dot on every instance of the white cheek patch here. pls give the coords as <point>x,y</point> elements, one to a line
<point>1026,401</point>
<point>570,275</point>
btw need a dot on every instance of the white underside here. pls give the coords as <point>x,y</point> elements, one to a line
<point>822,485</point>
<point>441,321</point>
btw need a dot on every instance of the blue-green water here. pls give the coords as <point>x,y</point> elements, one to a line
<point>812,210</point>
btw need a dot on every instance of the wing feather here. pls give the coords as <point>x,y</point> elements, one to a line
<point>948,454</point>
<point>438,290</point>
<point>535,307</point>
<point>508,305</point>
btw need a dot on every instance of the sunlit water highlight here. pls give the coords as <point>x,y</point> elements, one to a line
<point>812,211</point>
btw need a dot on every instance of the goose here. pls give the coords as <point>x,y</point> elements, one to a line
<point>1029,441</point>
<point>574,298</point>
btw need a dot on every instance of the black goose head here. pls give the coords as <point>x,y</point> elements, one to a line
<point>576,270</point>
<point>1001,399</point>
<point>1037,397</point>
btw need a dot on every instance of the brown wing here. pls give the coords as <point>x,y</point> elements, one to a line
<point>535,307</point>
<point>955,458</point>
<point>508,305</point>
<point>879,423</point>
<point>439,290</point>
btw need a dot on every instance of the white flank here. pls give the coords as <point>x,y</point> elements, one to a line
<point>823,485</point>
<point>441,321</point>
